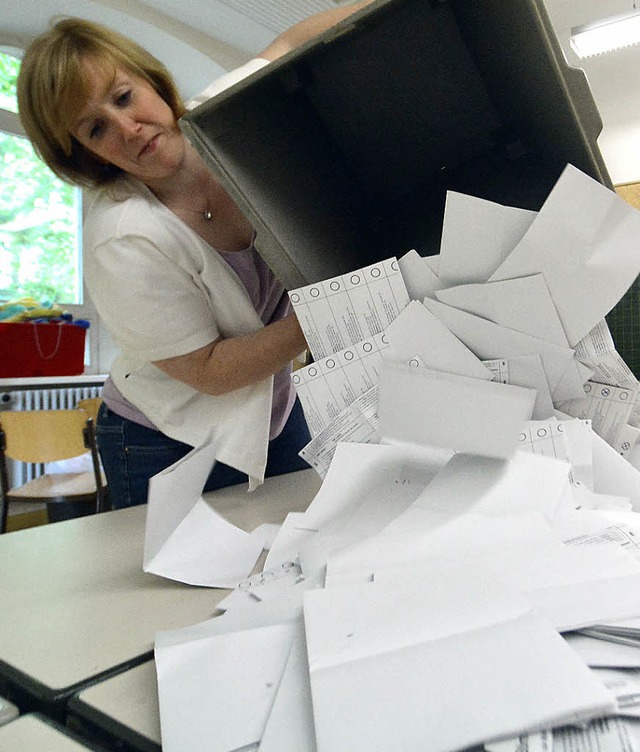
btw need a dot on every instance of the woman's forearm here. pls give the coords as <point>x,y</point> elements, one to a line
<point>308,28</point>
<point>228,364</point>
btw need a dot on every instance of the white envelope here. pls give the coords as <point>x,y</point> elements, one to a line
<point>185,538</point>
<point>488,341</point>
<point>289,727</point>
<point>584,241</point>
<point>419,278</point>
<point>440,663</point>
<point>186,664</point>
<point>417,332</point>
<point>451,412</point>
<point>477,236</point>
<point>523,304</point>
<point>235,677</point>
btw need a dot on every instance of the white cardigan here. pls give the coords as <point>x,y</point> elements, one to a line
<point>136,251</point>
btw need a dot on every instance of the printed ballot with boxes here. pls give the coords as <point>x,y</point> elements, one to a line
<point>425,178</point>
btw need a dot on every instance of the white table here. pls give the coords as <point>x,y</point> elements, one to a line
<point>124,707</point>
<point>31,733</point>
<point>77,607</point>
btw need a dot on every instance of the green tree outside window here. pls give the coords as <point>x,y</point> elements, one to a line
<point>39,216</point>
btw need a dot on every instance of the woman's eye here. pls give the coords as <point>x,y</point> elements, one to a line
<point>95,130</point>
<point>124,98</point>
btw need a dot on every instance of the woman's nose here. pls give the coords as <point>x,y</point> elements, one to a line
<point>128,125</point>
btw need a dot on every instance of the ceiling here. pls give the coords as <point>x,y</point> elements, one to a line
<point>198,39</point>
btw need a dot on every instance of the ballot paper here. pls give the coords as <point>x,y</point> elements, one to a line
<point>441,634</point>
<point>357,423</point>
<point>612,474</point>
<point>477,236</point>
<point>330,385</point>
<point>601,735</point>
<point>598,351</point>
<point>584,241</point>
<point>609,409</point>
<point>342,311</point>
<point>420,407</point>
<point>604,528</point>
<point>185,538</point>
<point>623,683</point>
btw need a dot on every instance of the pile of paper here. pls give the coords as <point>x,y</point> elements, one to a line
<point>469,571</point>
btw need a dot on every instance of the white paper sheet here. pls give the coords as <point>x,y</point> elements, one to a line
<point>526,371</point>
<point>419,277</point>
<point>290,726</point>
<point>236,676</point>
<point>357,423</point>
<point>186,671</point>
<point>603,653</point>
<point>342,311</point>
<point>490,341</point>
<point>472,507</point>
<point>185,538</point>
<point>477,236</point>
<point>451,412</point>
<point>609,409</point>
<point>601,735</point>
<point>612,474</point>
<point>330,385</point>
<point>510,303</point>
<point>584,241</point>
<point>441,636</point>
<point>598,352</point>
<point>417,332</point>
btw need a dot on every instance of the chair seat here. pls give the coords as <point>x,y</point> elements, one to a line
<point>53,485</point>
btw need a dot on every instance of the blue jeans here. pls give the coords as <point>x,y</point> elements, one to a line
<point>131,454</point>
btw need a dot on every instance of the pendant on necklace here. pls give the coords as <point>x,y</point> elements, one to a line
<point>207,215</point>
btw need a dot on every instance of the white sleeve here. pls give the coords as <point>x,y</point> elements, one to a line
<point>152,307</point>
<point>226,80</point>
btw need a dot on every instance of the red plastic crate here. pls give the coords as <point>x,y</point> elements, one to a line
<point>47,349</point>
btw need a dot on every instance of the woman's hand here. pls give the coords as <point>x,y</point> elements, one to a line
<point>308,28</point>
<point>228,364</point>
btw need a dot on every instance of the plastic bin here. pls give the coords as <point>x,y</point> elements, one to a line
<point>341,152</point>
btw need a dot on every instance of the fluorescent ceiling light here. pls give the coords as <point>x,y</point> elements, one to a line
<point>611,33</point>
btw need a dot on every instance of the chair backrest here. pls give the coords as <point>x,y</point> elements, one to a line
<point>90,405</point>
<point>44,435</point>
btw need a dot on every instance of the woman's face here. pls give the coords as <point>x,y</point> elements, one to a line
<point>127,124</point>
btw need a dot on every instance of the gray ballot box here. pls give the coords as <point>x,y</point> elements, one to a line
<point>341,152</point>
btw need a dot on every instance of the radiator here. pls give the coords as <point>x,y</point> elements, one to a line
<point>58,398</point>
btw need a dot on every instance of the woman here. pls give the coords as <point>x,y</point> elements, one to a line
<point>205,330</point>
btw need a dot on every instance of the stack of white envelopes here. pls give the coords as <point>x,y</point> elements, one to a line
<point>468,572</point>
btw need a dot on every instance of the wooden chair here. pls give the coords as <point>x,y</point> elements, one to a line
<point>90,405</point>
<point>38,436</point>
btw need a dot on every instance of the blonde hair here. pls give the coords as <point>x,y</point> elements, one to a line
<point>53,87</point>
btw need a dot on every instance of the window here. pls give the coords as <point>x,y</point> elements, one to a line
<point>40,216</point>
